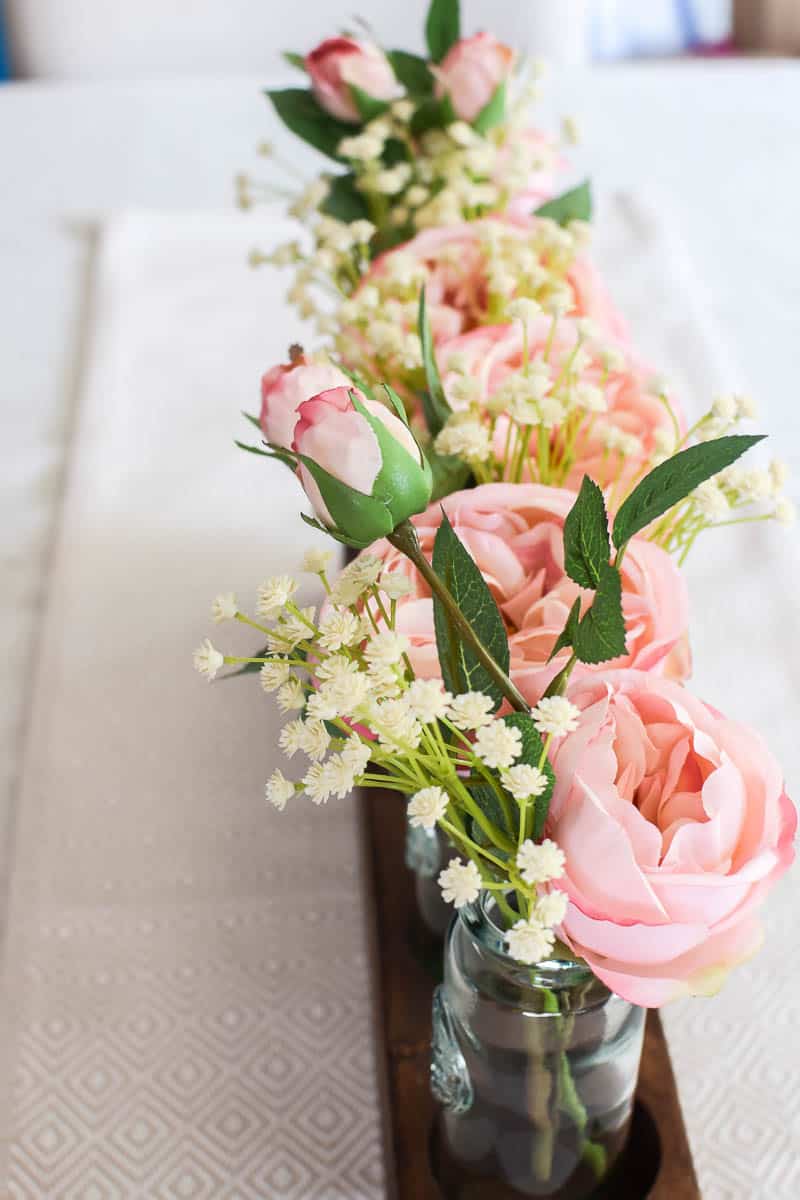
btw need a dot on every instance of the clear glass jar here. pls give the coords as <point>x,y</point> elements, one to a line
<point>428,852</point>
<point>535,1067</point>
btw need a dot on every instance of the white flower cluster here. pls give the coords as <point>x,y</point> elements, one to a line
<point>531,938</point>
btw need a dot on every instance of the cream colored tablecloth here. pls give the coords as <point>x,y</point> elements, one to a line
<point>186,976</point>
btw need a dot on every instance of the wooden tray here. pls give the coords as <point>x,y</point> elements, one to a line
<point>657,1163</point>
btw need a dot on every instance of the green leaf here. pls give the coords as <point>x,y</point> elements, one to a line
<point>367,105</point>
<point>492,113</point>
<point>395,151</point>
<point>461,670</point>
<point>295,60</point>
<point>568,633</point>
<point>489,803</point>
<point>435,408</point>
<point>344,201</point>
<point>450,474</point>
<point>443,27</point>
<point>575,205</point>
<point>432,114</point>
<point>300,113</point>
<point>673,480</point>
<point>601,634</point>
<point>586,544</point>
<point>412,71</point>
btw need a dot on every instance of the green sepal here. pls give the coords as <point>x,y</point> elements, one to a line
<point>461,670</point>
<point>586,543</point>
<point>492,113</point>
<point>254,421</point>
<point>283,456</point>
<point>412,71</point>
<point>396,403</point>
<point>336,534</point>
<point>435,407</point>
<point>295,60</point>
<point>442,27</point>
<point>574,205</point>
<point>301,114</point>
<point>402,484</point>
<point>368,107</point>
<point>358,519</point>
<point>673,480</point>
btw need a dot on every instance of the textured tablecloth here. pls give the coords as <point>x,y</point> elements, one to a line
<point>187,971</point>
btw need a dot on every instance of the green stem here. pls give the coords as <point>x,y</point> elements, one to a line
<point>405,539</point>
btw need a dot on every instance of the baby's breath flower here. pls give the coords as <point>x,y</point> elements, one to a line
<point>316,561</point>
<point>291,695</point>
<point>427,807</point>
<point>396,727</point>
<point>524,310</point>
<point>540,863</point>
<point>746,408</point>
<point>663,441</point>
<point>314,739</point>
<point>403,110</point>
<point>755,485</point>
<point>274,595</point>
<point>467,439</point>
<point>362,231</point>
<point>529,941</point>
<point>551,908</point>
<point>524,782</point>
<point>460,883</point>
<point>224,607</point>
<point>355,579</point>
<point>710,500</point>
<point>427,700</point>
<point>555,715</point>
<point>317,784</point>
<point>338,628</point>
<point>361,148</point>
<point>394,584</point>
<point>274,674</point>
<point>207,660</point>
<point>290,738</point>
<point>383,681</point>
<point>498,744</point>
<point>357,754</point>
<point>386,648</point>
<point>778,472</point>
<point>279,790</point>
<point>613,359</point>
<point>471,710</point>
<point>725,408</point>
<point>290,632</point>
<point>338,776</point>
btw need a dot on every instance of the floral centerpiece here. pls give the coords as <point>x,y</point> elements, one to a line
<point>508,651</point>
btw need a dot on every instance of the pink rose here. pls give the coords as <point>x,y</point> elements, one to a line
<point>283,390</point>
<point>471,72</point>
<point>675,824</point>
<point>515,534</point>
<point>340,63</point>
<point>454,264</point>
<point>393,481</point>
<point>612,446</point>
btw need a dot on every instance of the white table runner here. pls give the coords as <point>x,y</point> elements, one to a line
<point>187,970</point>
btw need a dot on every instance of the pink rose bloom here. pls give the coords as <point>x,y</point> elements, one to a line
<point>283,390</point>
<point>613,446</point>
<point>471,72</point>
<point>455,265</point>
<point>333,434</point>
<point>340,63</point>
<point>515,534</point>
<point>675,824</point>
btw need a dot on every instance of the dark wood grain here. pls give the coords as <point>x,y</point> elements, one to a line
<point>658,1144</point>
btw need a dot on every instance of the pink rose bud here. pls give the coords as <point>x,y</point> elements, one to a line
<point>471,72</point>
<point>340,63</point>
<point>285,387</point>
<point>359,464</point>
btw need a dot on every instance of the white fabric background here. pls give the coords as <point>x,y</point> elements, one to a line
<point>714,144</point>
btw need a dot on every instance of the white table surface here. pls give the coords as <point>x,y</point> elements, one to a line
<point>714,143</point>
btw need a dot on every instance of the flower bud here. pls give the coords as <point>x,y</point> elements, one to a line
<point>340,63</point>
<point>471,73</point>
<point>285,387</point>
<point>360,465</point>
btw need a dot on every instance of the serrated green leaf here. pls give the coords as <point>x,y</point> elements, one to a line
<point>295,60</point>
<point>567,636</point>
<point>432,114</point>
<point>574,205</point>
<point>487,800</point>
<point>344,201</point>
<point>601,634</point>
<point>492,113</point>
<point>435,407</point>
<point>673,480</point>
<point>412,71</point>
<point>450,474</point>
<point>300,113</point>
<point>586,544</point>
<point>368,107</point>
<point>461,669</point>
<point>442,27</point>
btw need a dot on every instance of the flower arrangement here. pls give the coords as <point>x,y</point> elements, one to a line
<point>509,649</point>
